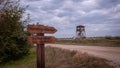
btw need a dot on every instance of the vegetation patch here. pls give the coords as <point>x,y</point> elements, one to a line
<point>114,42</point>
<point>59,58</point>
<point>13,37</point>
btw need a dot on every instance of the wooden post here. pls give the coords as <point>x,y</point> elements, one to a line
<point>40,40</point>
<point>40,54</point>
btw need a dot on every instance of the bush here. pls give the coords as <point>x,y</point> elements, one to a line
<point>13,38</point>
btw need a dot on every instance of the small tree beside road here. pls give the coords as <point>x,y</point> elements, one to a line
<point>13,38</point>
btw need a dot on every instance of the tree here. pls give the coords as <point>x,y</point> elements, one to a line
<point>13,38</point>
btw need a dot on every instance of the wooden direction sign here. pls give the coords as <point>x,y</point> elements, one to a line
<point>41,39</point>
<point>41,29</point>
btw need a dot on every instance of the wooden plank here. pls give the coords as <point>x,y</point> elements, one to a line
<point>40,54</point>
<point>41,29</point>
<point>41,39</point>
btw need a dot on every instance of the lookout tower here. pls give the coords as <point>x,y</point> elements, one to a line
<point>80,31</point>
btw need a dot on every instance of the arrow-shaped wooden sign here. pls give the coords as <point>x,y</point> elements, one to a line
<point>41,39</point>
<point>41,29</point>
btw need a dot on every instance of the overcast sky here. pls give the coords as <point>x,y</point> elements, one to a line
<point>100,17</point>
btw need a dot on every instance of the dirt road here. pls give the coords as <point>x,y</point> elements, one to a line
<point>109,53</point>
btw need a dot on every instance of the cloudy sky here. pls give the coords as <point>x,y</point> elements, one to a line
<point>100,17</point>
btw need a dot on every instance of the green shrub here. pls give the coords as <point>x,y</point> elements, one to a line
<point>12,35</point>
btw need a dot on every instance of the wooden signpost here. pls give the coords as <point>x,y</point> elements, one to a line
<point>36,29</point>
<point>40,40</point>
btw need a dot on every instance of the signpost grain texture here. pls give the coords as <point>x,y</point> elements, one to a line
<point>40,39</point>
<point>40,54</point>
<point>35,29</point>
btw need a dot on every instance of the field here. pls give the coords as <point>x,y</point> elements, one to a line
<point>114,42</point>
<point>59,58</point>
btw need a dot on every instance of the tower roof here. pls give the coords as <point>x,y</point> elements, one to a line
<point>80,26</point>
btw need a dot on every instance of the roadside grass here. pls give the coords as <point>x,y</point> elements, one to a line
<point>59,58</point>
<point>25,62</point>
<point>94,42</point>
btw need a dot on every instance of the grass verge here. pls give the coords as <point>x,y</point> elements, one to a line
<point>59,58</point>
<point>94,42</point>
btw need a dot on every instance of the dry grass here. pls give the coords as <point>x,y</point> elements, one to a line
<point>66,59</point>
<point>114,42</point>
<point>59,58</point>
